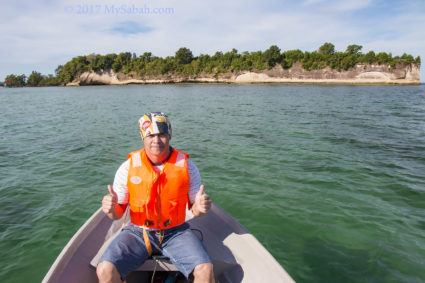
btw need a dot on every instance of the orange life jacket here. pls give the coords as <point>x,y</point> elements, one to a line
<point>158,200</point>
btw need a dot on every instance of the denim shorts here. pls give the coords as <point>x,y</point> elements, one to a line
<point>128,251</point>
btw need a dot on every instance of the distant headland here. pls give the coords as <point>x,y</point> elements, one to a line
<point>323,66</point>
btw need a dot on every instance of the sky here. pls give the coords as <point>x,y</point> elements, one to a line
<point>41,35</point>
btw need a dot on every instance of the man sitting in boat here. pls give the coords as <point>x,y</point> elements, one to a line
<point>158,182</point>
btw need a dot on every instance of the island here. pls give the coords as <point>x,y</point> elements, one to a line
<point>323,66</point>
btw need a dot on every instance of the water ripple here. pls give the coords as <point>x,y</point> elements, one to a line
<point>329,178</point>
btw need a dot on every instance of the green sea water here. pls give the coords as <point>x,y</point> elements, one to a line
<point>330,179</point>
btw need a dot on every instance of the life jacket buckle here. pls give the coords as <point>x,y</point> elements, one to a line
<point>149,223</point>
<point>160,234</point>
<point>166,223</point>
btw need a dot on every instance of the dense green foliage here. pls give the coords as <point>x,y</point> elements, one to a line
<point>184,63</point>
<point>35,79</point>
<point>326,56</point>
<point>14,81</point>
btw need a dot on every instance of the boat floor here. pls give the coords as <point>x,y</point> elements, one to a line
<point>161,276</point>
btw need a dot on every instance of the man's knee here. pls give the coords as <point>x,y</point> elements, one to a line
<point>204,272</point>
<point>106,272</point>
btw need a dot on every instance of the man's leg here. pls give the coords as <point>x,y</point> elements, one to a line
<point>125,253</point>
<point>203,273</point>
<point>188,254</point>
<point>107,273</point>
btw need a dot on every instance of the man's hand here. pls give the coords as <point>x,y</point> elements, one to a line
<point>202,202</point>
<point>109,201</point>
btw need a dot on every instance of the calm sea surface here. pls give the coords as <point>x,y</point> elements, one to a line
<point>330,179</point>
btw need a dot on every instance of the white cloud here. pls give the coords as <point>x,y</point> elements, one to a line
<point>335,6</point>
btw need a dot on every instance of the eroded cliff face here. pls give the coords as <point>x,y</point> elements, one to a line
<point>360,74</point>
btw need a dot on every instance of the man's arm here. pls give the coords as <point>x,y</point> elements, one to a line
<point>115,202</point>
<point>110,206</point>
<point>202,203</point>
<point>199,201</point>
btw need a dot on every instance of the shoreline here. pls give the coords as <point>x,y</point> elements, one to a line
<point>360,75</point>
<point>300,82</point>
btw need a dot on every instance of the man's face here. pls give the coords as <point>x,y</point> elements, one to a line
<point>157,144</point>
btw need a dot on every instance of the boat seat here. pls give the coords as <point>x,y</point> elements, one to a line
<point>162,263</point>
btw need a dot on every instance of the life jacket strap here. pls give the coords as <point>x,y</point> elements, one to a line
<point>147,242</point>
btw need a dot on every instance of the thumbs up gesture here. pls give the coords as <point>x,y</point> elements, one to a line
<point>202,202</point>
<point>109,201</point>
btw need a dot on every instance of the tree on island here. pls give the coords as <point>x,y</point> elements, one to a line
<point>15,80</point>
<point>184,56</point>
<point>183,63</point>
<point>354,49</point>
<point>327,49</point>
<point>34,79</point>
<point>272,56</point>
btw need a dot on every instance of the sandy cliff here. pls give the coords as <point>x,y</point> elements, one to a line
<point>360,74</point>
